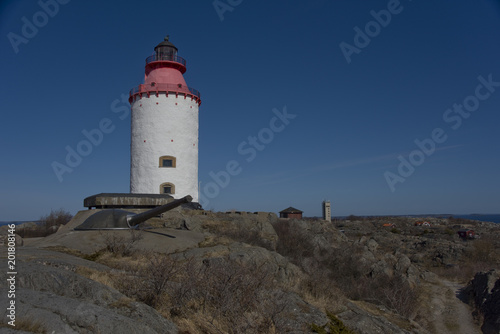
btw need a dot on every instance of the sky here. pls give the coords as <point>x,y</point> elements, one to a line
<point>382,107</point>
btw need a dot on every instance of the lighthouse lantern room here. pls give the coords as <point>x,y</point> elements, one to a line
<point>164,137</point>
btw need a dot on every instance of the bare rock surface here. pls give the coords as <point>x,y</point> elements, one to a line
<point>283,270</point>
<point>49,291</point>
<point>55,288</point>
<point>363,322</point>
<point>484,293</point>
<point>89,242</point>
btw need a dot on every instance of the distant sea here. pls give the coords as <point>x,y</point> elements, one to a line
<point>493,218</point>
<point>16,222</point>
<point>484,218</point>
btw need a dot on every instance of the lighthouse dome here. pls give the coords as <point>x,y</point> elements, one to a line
<point>166,50</point>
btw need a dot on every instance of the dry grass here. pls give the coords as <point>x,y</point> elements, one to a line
<point>324,302</point>
<point>188,326</point>
<point>464,271</point>
<point>105,278</point>
<point>27,325</point>
<point>121,262</point>
<point>452,326</point>
<point>66,250</point>
<point>123,302</point>
<point>401,322</point>
<point>215,225</point>
<point>46,225</point>
<point>217,296</point>
<point>214,240</point>
<point>479,255</point>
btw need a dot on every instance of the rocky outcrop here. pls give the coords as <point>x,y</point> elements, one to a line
<point>363,322</point>
<point>382,264</point>
<point>484,293</point>
<point>4,236</point>
<point>257,226</point>
<point>283,271</point>
<point>50,292</point>
<point>245,269</point>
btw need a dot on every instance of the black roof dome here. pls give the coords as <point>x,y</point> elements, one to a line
<point>166,43</point>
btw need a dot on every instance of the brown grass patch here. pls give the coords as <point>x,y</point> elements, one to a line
<point>105,278</point>
<point>123,302</point>
<point>394,318</point>
<point>66,250</point>
<point>27,325</point>
<point>214,240</point>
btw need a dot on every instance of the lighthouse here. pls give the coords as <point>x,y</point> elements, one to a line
<point>164,128</point>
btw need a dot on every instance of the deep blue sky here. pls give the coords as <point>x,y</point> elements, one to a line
<point>353,120</point>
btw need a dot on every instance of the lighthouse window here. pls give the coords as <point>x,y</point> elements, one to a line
<point>167,161</point>
<point>167,188</point>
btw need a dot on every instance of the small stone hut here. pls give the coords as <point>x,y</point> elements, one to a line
<point>291,213</point>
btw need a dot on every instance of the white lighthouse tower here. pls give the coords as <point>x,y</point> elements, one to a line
<point>164,139</point>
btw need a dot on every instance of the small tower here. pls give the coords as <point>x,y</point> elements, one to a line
<point>164,128</point>
<point>327,211</point>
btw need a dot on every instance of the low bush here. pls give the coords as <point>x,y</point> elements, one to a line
<point>334,326</point>
<point>247,236</point>
<point>292,241</point>
<point>26,325</point>
<point>46,225</point>
<point>119,244</point>
<point>219,295</point>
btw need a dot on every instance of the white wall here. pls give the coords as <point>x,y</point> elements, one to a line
<point>164,126</point>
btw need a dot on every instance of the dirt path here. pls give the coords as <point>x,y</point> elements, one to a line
<point>448,314</point>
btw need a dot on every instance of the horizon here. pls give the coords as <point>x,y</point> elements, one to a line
<point>3,222</point>
<point>386,106</point>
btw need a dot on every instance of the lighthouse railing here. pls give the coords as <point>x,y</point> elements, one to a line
<point>165,88</point>
<point>165,57</point>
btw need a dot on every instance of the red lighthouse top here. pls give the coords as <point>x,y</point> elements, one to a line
<point>165,56</point>
<point>164,73</point>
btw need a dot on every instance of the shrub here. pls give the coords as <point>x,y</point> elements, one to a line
<point>292,241</point>
<point>397,295</point>
<point>160,270</point>
<point>217,295</point>
<point>483,250</point>
<point>56,218</point>
<point>334,326</point>
<point>26,325</point>
<point>47,224</point>
<point>246,235</point>
<point>117,244</point>
<point>353,218</point>
<point>350,272</point>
